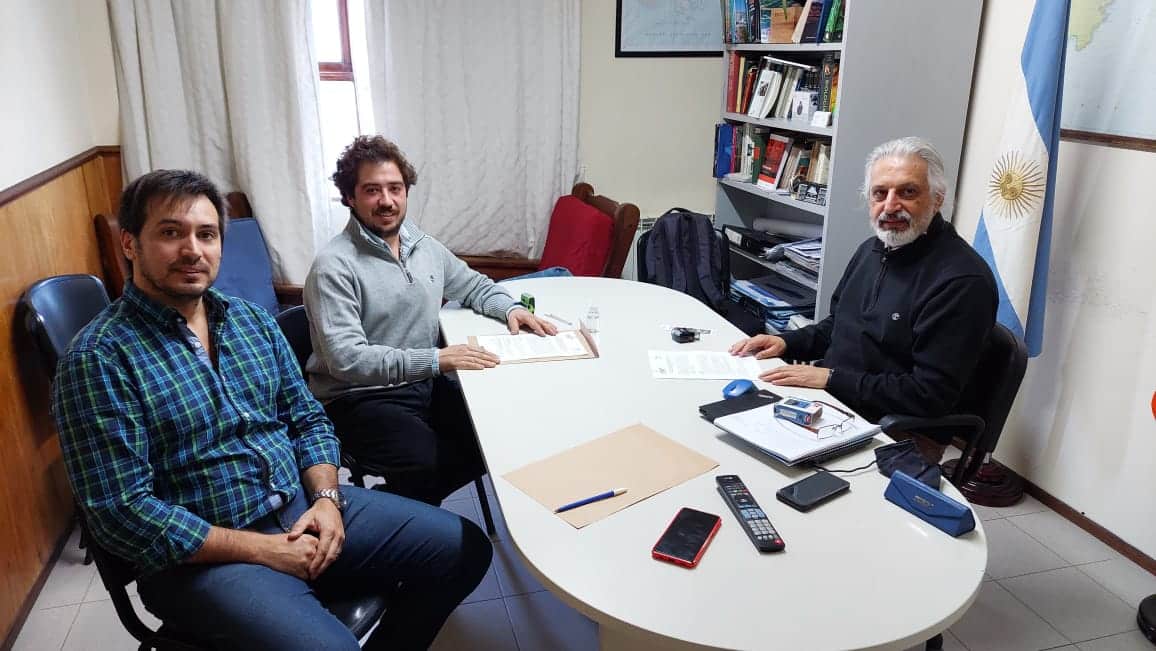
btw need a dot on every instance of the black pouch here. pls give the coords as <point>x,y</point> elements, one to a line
<point>903,455</point>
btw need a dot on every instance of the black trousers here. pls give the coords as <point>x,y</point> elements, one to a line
<point>418,435</point>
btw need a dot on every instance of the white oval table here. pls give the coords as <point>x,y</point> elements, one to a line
<point>857,572</point>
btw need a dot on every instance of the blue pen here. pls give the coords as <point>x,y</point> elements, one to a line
<point>601,496</point>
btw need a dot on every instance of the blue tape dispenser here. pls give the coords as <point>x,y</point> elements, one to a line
<point>929,505</point>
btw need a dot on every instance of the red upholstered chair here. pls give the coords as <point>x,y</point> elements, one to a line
<point>577,239</point>
<point>589,234</point>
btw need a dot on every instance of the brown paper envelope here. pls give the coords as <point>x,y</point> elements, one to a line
<point>636,458</point>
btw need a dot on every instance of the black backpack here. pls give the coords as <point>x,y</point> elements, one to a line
<point>685,253</point>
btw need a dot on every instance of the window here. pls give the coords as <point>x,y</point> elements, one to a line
<point>343,102</point>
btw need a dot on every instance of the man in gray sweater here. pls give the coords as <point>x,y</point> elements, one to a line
<point>373,296</point>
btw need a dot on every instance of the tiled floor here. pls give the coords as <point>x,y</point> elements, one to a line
<point>1050,586</point>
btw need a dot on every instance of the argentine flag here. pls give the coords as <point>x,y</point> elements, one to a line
<point>1015,226</point>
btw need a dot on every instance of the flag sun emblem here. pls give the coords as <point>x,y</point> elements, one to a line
<point>1016,186</point>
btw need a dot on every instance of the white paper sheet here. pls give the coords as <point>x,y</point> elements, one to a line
<point>701,365</point>
<point>525,346</point>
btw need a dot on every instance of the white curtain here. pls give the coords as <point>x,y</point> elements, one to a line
<point>228,88</point>
<point>482,97</point>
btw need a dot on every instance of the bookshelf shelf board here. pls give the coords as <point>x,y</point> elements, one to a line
<point>753,258</point>
<point>784,47</point>
<point>780,123</point>
<point>773,196</point>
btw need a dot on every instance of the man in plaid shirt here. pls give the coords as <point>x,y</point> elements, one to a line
<point>197,453</point>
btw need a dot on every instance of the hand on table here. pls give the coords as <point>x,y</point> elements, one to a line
<point>521,318</point>
<point>761,346</point>
<point>797,375</point>
<point>464,357</point>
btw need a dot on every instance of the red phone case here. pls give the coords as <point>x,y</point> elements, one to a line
<point>698,555</point>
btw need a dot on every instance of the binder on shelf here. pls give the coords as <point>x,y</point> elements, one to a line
<point>724,149</point>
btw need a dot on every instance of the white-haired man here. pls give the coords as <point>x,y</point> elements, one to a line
<point>912,309</point>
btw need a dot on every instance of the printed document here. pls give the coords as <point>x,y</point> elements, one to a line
<point>701,365</point>
<point>525,347</point>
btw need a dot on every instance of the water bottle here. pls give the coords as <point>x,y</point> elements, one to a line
<point>592,318</point>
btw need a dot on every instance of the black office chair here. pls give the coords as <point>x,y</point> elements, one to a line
<point>359,611</point>
<point>982,411</point>
<point>294,324</point>
<point>55,310</point>
<point>983,408</point>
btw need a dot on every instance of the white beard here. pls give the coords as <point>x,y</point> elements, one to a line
<point>895,239</point>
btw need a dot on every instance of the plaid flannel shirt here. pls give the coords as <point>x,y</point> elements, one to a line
<point>159,447</point>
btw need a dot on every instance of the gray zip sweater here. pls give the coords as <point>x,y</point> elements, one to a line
<point>373,318</point>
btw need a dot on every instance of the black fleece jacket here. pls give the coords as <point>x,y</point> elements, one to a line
<point>906,325</point>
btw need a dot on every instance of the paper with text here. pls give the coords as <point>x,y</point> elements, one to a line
<point>525,347</point>
<point>701,365</point>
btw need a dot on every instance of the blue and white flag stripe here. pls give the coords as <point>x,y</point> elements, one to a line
<point>1015,227</point>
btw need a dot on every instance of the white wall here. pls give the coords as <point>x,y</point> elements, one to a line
<point>58,84</point>
<point>1082,428</point>
<point>646,126</point>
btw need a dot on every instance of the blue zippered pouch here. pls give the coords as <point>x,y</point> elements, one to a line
<point>929,505</point>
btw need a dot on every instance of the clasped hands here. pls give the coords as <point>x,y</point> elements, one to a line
<point>791,375</point>
<point>464,357</point>
<point>312,544</point>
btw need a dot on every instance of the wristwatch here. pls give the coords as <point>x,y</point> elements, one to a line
<point>333,494</point>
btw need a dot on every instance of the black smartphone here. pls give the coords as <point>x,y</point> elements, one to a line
<point>686,538</point>
<point>809,492</point>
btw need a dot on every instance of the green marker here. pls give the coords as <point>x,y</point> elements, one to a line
<point>528,301</point>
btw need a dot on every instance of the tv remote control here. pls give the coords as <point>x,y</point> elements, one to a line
<point>750,515</point>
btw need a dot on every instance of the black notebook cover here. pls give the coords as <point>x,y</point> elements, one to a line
<point>744,402</point>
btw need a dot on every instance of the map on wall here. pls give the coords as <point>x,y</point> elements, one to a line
<point>669,27</point>
<point>1110,74</point>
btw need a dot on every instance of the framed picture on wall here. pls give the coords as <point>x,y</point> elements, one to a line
<point>668,28</point>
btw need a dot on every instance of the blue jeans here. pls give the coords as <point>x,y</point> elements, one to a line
<point>552,272</point>
<point>437,556</point>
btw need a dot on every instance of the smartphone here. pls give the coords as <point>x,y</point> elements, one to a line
<point>809,492</point>
<point>686,539</point>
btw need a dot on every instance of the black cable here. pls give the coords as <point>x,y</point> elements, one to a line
<point>836,471</point>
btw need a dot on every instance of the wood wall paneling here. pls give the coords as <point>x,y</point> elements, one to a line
<point>47,230</point>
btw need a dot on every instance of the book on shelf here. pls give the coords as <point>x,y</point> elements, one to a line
<point>724,149</point>
<point>820,27</point>
<point>750,72</point>
<point>804,103</point>
<point>740,24</point>
<point>807,27</point>
<point>766,87</point>
<point>834,88</point>
<point>782,21</point>
<point>833,30</point>
<point>821,167</point>
<point>774,159</point>
<point>827,72</point>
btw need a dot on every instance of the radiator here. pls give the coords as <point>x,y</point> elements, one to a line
<point>630,269</point>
